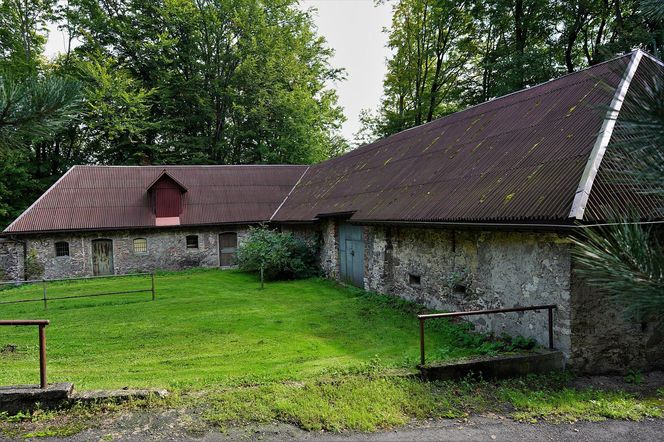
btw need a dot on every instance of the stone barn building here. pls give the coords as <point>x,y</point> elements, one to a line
<point>471,211</point>
<point>101,220</point>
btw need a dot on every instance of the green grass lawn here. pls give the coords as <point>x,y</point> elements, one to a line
<point>212,328</point>
<point>215,332</point>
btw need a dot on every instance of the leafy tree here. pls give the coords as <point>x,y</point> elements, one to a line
<point>432,41</point>
<point>236,81</point>
<point>36,102</point>
<point>496,47</point>
<point>167,81</point>
<point>277,255</point>
<point>117,114</point>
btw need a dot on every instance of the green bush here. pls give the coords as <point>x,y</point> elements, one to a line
<point>34,269</point>
<point>282,255</point>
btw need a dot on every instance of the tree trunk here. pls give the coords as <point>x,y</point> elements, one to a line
<point>520,41</point>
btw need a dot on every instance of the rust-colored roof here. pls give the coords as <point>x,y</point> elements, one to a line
<point>612,195</point>
<point>519,158</point>
<point>111,197</point>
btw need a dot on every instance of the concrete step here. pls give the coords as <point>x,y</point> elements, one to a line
<point>496,367</point>
<point>25,397</point>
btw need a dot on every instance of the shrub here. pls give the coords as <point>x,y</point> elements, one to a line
<point>34,269</point>
<point>282,255</point>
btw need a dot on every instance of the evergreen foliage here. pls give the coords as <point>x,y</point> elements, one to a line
<point>626,258</point>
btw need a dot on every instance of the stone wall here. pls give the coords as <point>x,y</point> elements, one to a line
<point>329,250</point>
<point>468,270</point>
<point>473,270</point>
<point>166,250</point>
<point>604,341</point>
<point>11,260</point>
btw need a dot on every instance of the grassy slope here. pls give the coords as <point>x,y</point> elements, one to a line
<point>210,328</point>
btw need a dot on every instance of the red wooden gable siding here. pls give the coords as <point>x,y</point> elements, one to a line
<point>167,202</point>
<point>168,197</point>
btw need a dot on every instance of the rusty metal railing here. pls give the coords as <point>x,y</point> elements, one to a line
<point>41,323</point>
<point>424,317</point>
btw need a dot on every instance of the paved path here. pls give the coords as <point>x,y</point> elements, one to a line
<point>169,426</point>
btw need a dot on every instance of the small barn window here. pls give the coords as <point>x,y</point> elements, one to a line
<point>140,245</point>
<point>192,241</point>
<point>62,248</point>
<point>414,280</point>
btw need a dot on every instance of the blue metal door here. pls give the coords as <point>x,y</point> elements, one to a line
<point>351,254</point>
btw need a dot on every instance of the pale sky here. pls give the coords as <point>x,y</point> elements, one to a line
<point>353,28</point>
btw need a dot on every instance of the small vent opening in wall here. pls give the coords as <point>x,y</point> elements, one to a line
<point>414,280</point>
<point>460,289</point>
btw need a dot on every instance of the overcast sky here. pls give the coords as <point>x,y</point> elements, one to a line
<point>353,28</point>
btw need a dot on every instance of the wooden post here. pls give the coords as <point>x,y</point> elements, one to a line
<point>262,280</point>
<point>42,356</point>
<point>551,328</point>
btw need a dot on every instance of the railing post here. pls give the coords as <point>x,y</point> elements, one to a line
<point>152,275</point>
<point>550,327</point>
<point>42,356</point>
<point>44,291</point>
<point>421,341</point>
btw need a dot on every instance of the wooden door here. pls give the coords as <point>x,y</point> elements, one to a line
<point>351,254</point>
<point>102,257</point>
<point>227,249</point>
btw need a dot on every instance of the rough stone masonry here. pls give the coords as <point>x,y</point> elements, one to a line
<point>458,270</point>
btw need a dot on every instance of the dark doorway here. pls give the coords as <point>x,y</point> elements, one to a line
<point>227,248</point>
<point>102,257</point>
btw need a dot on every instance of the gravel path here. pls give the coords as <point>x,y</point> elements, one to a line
<point>174,426</point>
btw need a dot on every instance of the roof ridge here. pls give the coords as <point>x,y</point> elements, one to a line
<point>289,193</point>
<point>109,166</point>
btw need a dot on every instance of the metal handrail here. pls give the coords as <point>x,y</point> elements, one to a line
<point>41,323</point>
<point>424,317</point>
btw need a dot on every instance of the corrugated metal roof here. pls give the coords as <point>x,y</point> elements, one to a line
<point>518,158</point>
<point>109,197</point>
<point>612,194</point>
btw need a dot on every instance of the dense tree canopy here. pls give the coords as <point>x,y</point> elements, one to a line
<point>248,81</point>
<point>160,81</point>
<point>448,55</point>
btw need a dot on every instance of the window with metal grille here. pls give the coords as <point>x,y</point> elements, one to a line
<point>140,245</point>
<point>62,248</point>
<point>192,241</point>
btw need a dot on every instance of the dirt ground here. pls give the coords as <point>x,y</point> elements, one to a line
<point>169,426</point>
<point>187,424</point>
